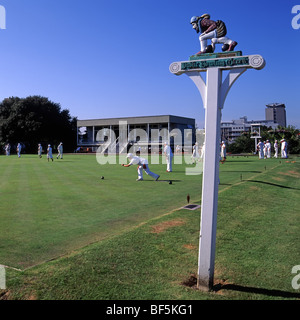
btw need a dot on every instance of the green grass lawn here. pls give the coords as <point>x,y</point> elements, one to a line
<point>50,209</point>
<point>121,239</point>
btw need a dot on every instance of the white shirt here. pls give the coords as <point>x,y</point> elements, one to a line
<point>168,150</point>
<point>138,160</point>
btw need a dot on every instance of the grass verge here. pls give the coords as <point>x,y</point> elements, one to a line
<point>257,247</point>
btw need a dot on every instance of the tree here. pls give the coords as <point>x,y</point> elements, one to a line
<point>244,144</point>
<point>34,120</point>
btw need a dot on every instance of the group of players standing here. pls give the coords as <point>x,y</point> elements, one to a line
<point>40,151</point>
<point>264,149</point>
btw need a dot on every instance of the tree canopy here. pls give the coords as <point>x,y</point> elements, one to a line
<point>34,120</point>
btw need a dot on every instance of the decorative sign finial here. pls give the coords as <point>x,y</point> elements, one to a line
<point>214,30</point>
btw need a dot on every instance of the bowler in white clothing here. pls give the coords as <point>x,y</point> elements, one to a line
<point>60,151</point>
<point>49,153</point>
<point>260,148</point>
<point>268,149</point>
<point>19,148</point>
<point>195,155</point>
<point>40,150</point>
<point>276,149</point>
<point>283,149</point>
<point>223,151</point>
<point>7,149</point>
<point>142,166</point>
<point>169,157</point>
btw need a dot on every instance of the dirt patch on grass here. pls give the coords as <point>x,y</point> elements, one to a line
<point>161,227</point>
<point>191,281</point>
<point>255,188</point>
<point>291,173</point>
<point>278,179</point>
<point>189,246</point>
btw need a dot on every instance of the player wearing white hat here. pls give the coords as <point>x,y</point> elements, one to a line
<point>283,149</point>
<point>49,153</point>
<point>142,166</point>
<point>268,147</point>
<point>7,149</point>
<point>195,154</point>
<point>40,150</point>
<point>223,151</point>
<point>276,149</point>
<point>19,148</point>
<point>169,156</point>
<point>260,147</point>
<point>214,30</point>
<point>60,151</point>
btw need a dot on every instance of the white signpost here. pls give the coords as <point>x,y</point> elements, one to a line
<point>255,134</point>
<point>213,93</point>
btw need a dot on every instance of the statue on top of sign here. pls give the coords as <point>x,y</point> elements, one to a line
<point>214,30</point>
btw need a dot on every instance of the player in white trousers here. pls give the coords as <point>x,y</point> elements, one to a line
<point>40,150</point>
<point>169,156</point>
<point>283,149</point>
<point>214,30</point>
<point>142,166</point>
<point>195,155</point>
<point>60,151</point>
<point>276,149</point>
<point>268,149</point>
<point>7,149</point>
<point>49,153</point>
<point>223,151</point>
<point>19,148</point>
<point>260,148</point>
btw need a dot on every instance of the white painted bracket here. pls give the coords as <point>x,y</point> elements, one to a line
<point>232,76</point>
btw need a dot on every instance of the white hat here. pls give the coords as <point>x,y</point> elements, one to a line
<point>129,155</point>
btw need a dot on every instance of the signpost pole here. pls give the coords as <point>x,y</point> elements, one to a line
<point>213,93</point>
<point>210,180</point>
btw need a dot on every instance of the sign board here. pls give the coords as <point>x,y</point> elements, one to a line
<point>199,63</point>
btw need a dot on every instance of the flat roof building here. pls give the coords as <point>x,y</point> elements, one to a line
<point>275,115</point>
<point>142,131</point>
<point>230,130</point>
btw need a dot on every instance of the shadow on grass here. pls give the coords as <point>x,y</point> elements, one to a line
<point>267,292</point>
<point>273,184</point>
<point>235,161</point>
<point>168,180</point>
<point>240,171</point>
<point>192,283</point>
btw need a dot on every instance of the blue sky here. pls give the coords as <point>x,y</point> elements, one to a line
<point>103,59</point>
